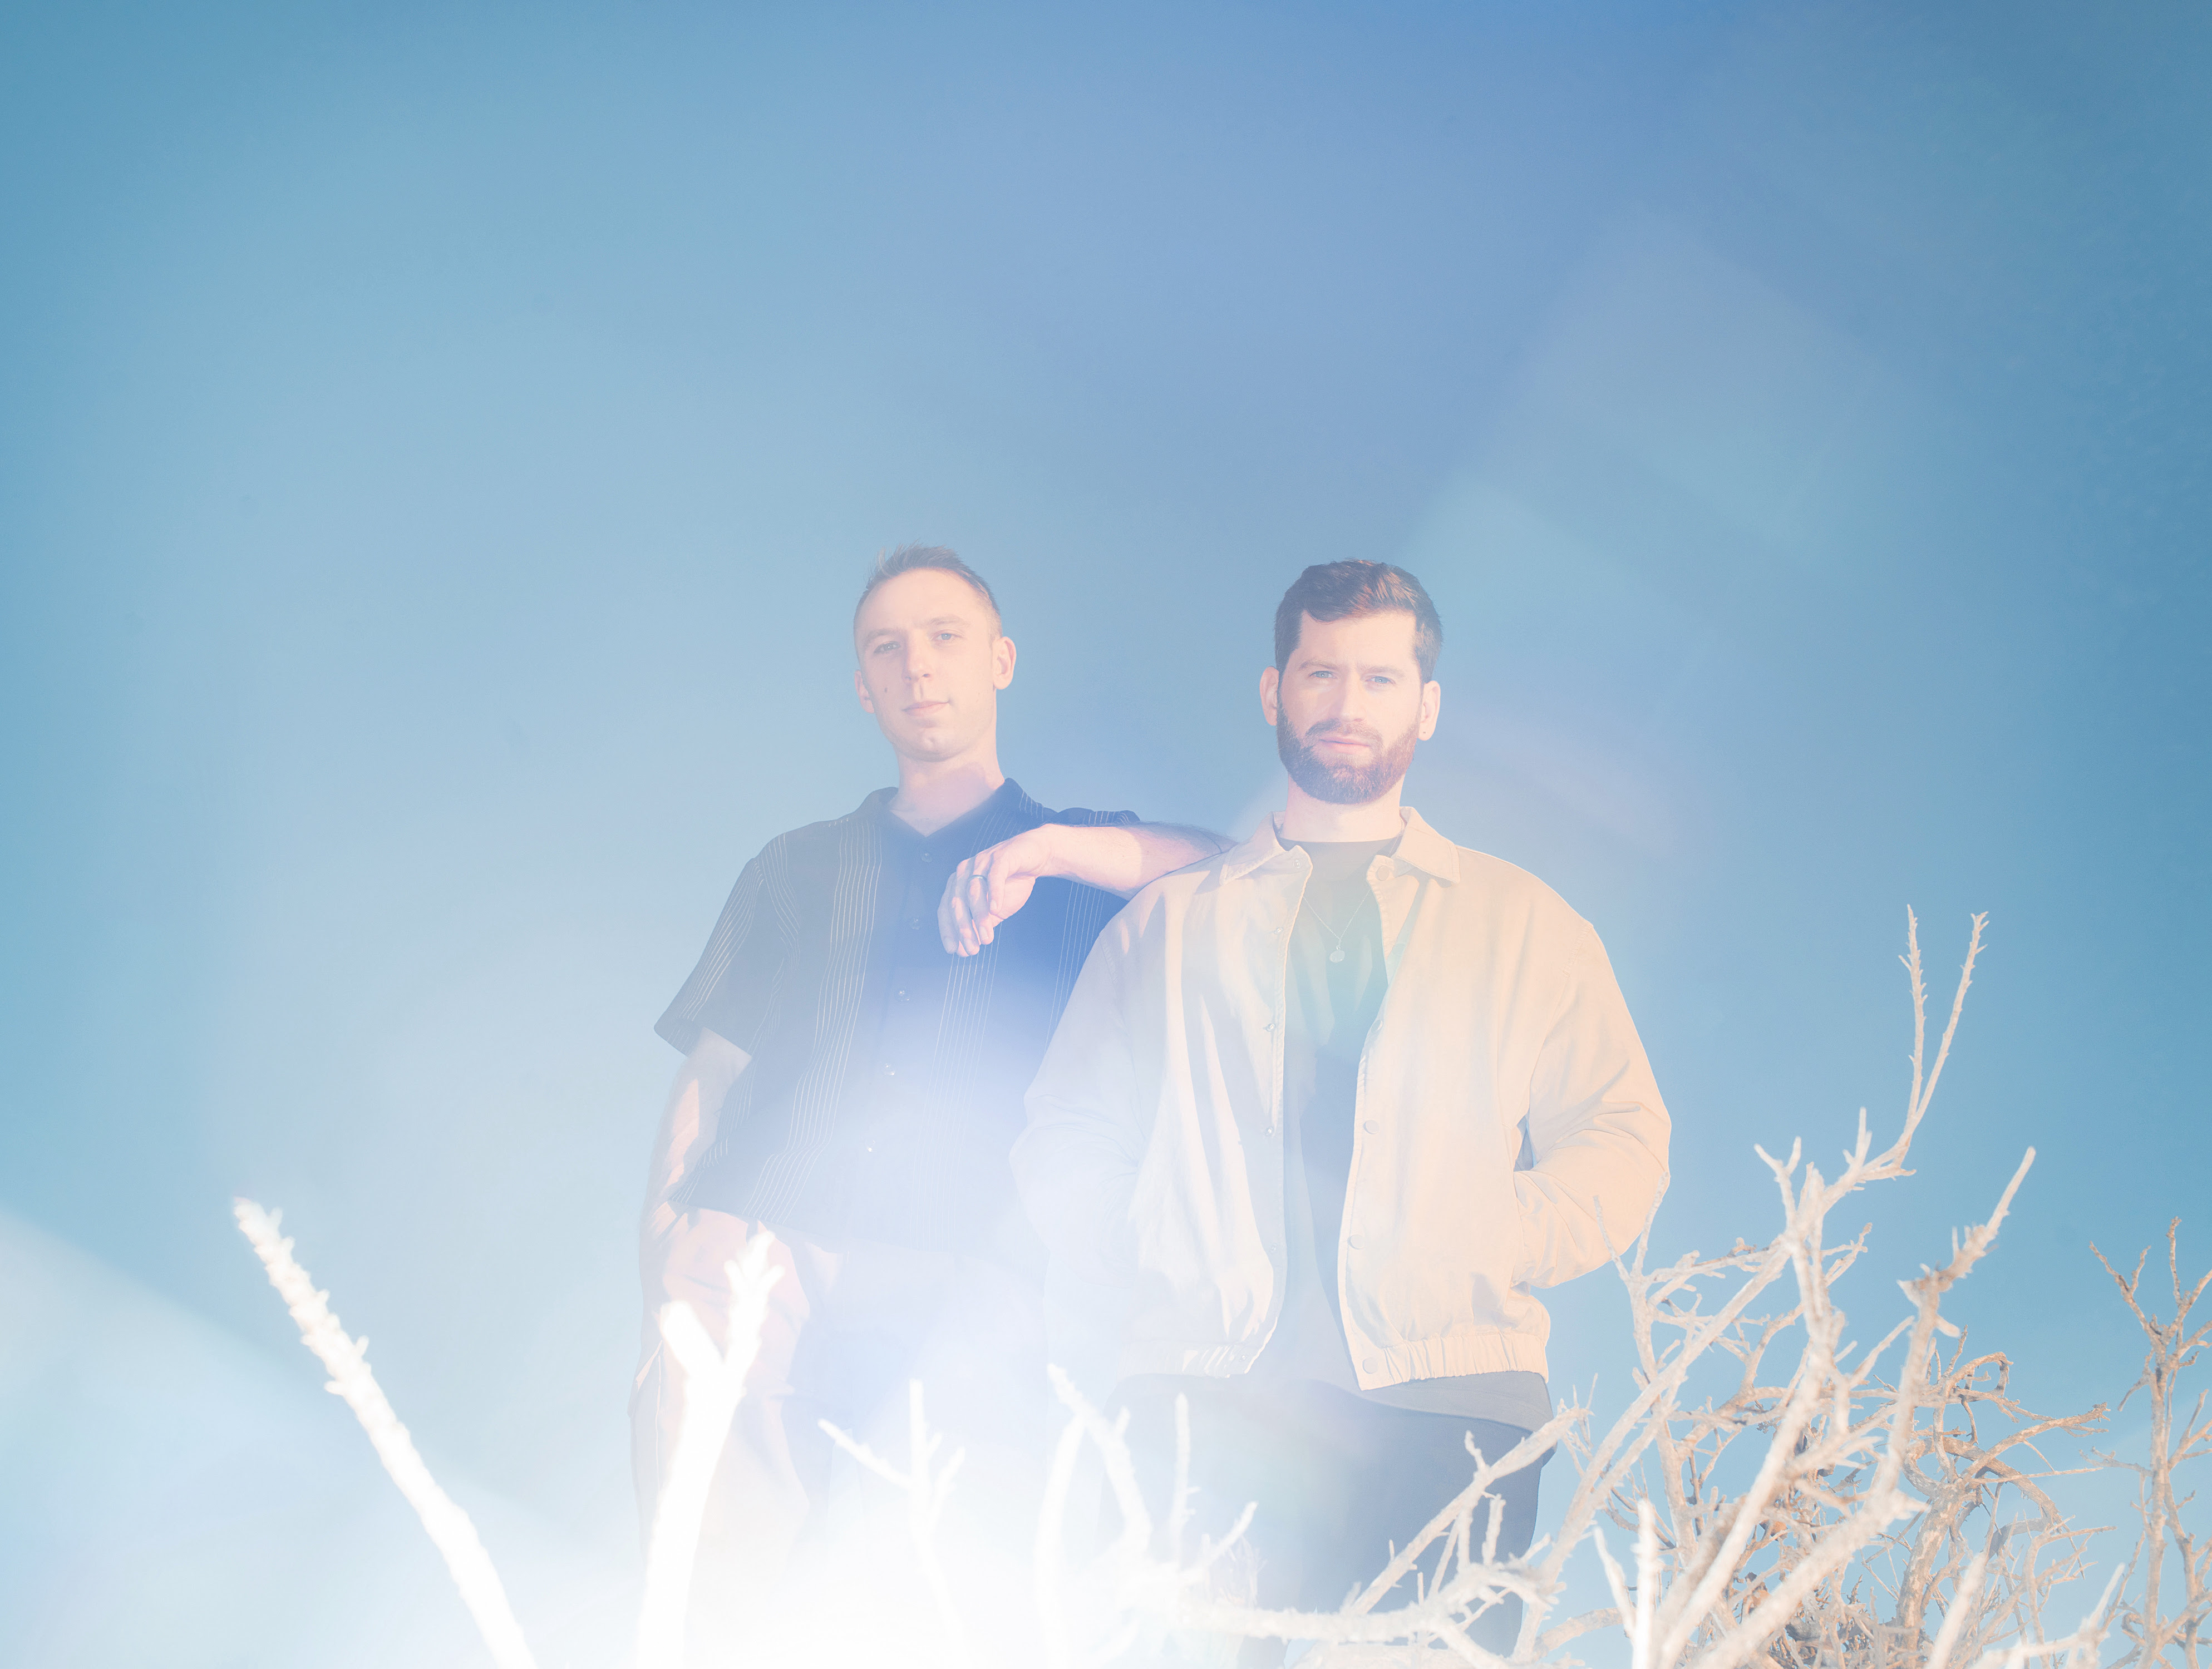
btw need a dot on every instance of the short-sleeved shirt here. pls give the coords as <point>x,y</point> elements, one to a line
<point>884,1087</point>
<point>1338,976</point>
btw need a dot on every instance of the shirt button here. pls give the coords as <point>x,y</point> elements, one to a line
<point>1354,1241</point>
<point>1372,1364</point>
<point>1367,1125</point>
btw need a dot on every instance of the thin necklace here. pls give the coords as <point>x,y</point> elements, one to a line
<point>1336,954</point>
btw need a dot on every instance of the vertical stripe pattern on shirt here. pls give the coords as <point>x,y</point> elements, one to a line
<point>799,963</point>
<point>785,1176</point>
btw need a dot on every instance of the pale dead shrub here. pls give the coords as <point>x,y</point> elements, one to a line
<point>1797,1502</point>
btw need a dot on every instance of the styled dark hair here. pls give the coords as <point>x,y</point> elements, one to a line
<point>908,557</point>
<point>1337,590</point>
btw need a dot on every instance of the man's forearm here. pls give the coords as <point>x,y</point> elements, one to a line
<point>689,1123</point>
<point>1115,857</point>
<point>1121,858</point>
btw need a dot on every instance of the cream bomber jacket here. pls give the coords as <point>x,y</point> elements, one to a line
<point>1154,1150</point>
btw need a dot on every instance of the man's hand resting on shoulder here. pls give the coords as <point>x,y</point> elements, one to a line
<point>1115,857</point>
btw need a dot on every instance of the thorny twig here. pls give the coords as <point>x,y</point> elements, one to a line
<point>2154,1625</point>
<point>927,1486</point>
<point>1722,1580</point>
<point>347,1361</point>
<point>714,1385</point>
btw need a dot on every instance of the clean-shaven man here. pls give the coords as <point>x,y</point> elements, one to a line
<point>852,1084</point>
<point>1334,1103</point>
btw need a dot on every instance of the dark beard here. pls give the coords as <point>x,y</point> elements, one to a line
<point>1343,785</point>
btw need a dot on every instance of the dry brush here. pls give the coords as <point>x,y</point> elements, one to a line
<point>1793,1501</point>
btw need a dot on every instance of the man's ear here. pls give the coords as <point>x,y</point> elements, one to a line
<point>861,689</point>
<point>1432,701</point>
<point>1271,694</point>
<point>1002,662</point>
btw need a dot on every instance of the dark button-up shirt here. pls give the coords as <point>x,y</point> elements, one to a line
<point>886,1076</point>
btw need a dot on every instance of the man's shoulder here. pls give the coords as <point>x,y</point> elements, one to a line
<point>1082,817</point>
<point>1503,905</point>
<point>1178,889</point>
<point>1030,812</point>
<point>1488,876</point>
<point>823,838</point>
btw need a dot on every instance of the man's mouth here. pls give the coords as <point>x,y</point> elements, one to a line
<point>925,707</point>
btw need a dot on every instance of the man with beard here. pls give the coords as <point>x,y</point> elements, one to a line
<point>1333,1104</point>
<point>857,1036</point>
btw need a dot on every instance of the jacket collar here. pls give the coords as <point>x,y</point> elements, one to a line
<point>1421,849</point>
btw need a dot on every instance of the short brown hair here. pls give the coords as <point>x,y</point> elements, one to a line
<point>1338,591</point>
<point>908,557</point>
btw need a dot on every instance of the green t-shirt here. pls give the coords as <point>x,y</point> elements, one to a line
<point>1338,974</point>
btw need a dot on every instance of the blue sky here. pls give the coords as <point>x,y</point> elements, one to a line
<point>438,449</point>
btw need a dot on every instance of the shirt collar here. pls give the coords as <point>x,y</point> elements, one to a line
<point>1421,849</point>
<point>1006,804</point>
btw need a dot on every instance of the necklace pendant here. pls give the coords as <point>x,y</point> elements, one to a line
<point>1336,956</point>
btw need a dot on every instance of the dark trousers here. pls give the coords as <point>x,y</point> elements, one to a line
<point>1339,1479</point>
